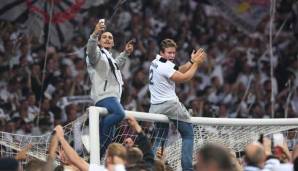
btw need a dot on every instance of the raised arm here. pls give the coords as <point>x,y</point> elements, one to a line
<point>74,158</point>
<point>121,59</point>
<point>185,67</point>
<point>92,51</point>
<point>49,166</point>
<point>198,58</point>
<point>142,141</point>
<point>22,155</point>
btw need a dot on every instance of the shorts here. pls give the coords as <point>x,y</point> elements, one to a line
<point>173,109</point>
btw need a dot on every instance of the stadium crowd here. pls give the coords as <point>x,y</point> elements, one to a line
<point>235,81</point>
<point>264,155</point>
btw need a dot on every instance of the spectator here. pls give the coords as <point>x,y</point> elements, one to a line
<point>213,157</point>
<point>259,157</point>
<point>115,155</point>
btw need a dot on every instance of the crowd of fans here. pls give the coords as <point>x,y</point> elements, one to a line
<point>235,81</point>
<point>264,155</point>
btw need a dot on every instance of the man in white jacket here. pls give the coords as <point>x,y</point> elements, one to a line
<point>106,79</point>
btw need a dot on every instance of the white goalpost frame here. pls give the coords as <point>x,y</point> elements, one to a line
<point>94,113</point>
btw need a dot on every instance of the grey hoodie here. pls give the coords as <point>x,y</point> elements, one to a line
<point>105,82</point>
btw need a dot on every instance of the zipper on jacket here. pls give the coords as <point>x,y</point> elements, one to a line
<point>105,86</point>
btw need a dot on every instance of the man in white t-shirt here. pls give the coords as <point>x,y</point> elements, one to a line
<point>163,75</point>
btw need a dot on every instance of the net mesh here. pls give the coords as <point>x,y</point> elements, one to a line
<point>234,137</point>
<point>10,143</point>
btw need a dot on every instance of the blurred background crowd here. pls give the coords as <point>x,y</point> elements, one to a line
<point>234,82</point>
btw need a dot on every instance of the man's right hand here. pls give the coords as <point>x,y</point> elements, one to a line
<point>100,27</point>
<point>59,131</point>
<point>199,56</point>
<point>134,124</point>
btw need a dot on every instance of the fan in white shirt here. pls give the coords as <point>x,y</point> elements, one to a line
<point>163,75</point>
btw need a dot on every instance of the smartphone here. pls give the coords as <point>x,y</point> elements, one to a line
<point>102,21</point>
<point>278,139</point>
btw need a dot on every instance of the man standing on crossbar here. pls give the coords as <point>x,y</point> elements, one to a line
<point>163,75</point>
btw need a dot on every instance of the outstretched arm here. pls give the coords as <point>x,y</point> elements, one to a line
<point>198,58</point>
<point>142,141</point>
<point>74,158</point>
<point>51,153</point>
<point>121,59</point>
<point>22,155</point>
<point>185,67</point>
<point>92,51</point>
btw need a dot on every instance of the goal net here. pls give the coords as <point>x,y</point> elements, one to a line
<point>233,133</point>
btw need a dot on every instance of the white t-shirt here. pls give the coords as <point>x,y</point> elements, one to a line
<point>161,87</point>
<point>283,167</point>
<point>95,167</point>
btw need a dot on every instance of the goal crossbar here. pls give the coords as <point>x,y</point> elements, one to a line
<point>143,116</point>
<point>152,117</point>
<point>234,133</point>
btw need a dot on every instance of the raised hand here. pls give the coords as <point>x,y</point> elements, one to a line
<point>22,155</point>
<point>129,47</point>
<point>134,124</point>
<point>59,131</point>
<point>100,27</point>
<point>198,56</point>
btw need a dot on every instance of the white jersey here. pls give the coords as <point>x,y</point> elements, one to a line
<point>95,167</point>
<point>161,87</point>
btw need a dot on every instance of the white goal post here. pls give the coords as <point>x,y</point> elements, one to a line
<point>205,129</point>
<point>233,133</point>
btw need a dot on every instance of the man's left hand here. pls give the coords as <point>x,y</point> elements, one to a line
<point>129,47</point>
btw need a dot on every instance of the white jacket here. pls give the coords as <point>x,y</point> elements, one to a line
<point>104,71</point>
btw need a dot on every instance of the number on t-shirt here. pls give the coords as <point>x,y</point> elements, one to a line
<point>151,76</point>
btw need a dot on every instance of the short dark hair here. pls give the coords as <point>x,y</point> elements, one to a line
<point>166,43</point>
<point>134,155</point>
<point>216,154</point>
<point>139,166</point>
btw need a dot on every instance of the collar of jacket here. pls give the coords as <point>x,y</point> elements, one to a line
<point>104,50</point>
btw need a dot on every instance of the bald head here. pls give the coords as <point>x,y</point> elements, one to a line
<point>255,155</point>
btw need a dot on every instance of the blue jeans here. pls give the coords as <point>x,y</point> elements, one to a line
<point>186,131</point>
<point>108,122</point>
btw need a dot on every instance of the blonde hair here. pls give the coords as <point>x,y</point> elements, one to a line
<point>166,43</point>
<point>116,149</point>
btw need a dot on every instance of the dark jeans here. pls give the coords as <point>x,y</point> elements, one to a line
<point>108,122</point>
<point>186,131</point>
